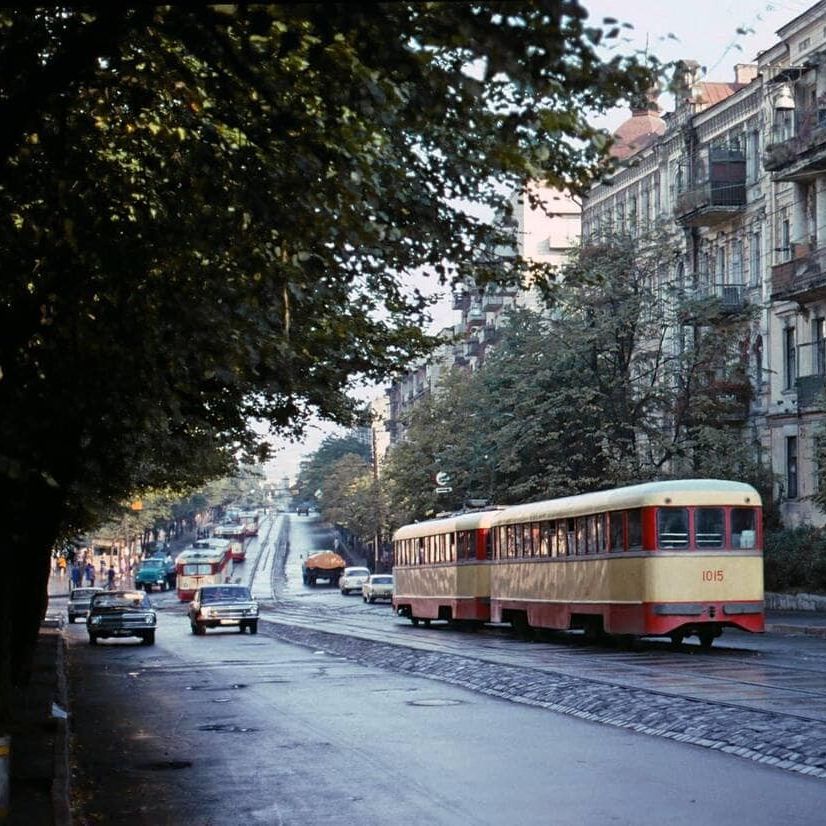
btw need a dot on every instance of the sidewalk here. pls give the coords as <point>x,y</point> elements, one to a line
<point>40,738</point>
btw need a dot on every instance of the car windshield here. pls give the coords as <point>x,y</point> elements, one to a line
<point>224,594</point>
<point>358,572</point>
<point>382,580</point>
<point>84,593</point>
<point>124,599</point>
<point>150,563</point>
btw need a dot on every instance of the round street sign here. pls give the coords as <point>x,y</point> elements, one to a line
<point>442,478</point>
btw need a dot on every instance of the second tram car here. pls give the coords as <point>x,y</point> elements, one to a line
<point>442,568</point>
<point>675,558</point>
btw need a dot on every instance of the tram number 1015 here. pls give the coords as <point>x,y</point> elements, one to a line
<point>713,576</point>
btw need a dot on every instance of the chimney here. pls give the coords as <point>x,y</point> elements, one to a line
<point>745,72</point>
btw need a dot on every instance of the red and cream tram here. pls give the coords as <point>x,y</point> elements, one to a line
<point>202,566</point>
<point>674,558</point>
<point>442,568</point>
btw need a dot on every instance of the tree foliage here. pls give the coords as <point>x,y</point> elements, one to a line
<point>209,211</point>
<point>618,381</point>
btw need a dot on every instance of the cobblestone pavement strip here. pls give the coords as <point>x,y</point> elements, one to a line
<point>773,739</point>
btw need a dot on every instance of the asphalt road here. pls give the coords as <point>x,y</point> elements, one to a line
<point>229,728</point>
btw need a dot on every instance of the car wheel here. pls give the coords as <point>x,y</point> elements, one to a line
<point>147,588</point>
<point>193,626</point>
<point>201,629</point>
<point>149,638</point>
<point>72,618</point>
<point>93,640</point>
<point>253,626</point>
<point>364,598</point>
<point>241,627</point>
<point>372,600</point>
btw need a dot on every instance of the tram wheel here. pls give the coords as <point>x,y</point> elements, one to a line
<point>414,620</point>
<point>706,637</point>
<point>677,640</point>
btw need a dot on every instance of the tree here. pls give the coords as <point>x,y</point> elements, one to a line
<point>623,378</point>
<point>208,214</point>
<point>316,469</point>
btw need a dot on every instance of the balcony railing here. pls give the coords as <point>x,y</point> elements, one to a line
<point>493,299</point>
<point>461,300</point>
<point>476,317</point>
<point>802,279</point>
<point>801,153</point>
<point>708,303</point>
<point>717,196</point>
<point>811,375</point>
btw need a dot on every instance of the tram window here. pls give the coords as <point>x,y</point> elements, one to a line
<point>488,546</point>
<point>672,528</point>
<point>561,538</point>
<point>635,530</point>
<point>527,540</point>
<point>536,539</point>
<point>743,527</point>
<point>511,541</point>
<point>581,536</point>
<point>592,525</point>
<point>616,531</point>
<point>421,552</point>
<point>709,527</point>
<point>546,538</point>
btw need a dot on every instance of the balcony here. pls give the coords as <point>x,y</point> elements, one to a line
<point>811,377</point>
<point>803,279</point>
<point>801,156</point>
<point>476,317</point>
<point>720,196</point>
<point>490,334</point>
<point>461,300</point>
<point>730,399</point>
<point>713,303</point>
<point>493,299</point>
<point>474,348</point>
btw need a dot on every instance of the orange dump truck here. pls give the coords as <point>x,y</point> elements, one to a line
<point>322,565</point>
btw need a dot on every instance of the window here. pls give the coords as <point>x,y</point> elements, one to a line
<point>617,531</point>
<point>720,266</point>
<point>789,358</point>
<point>672,528</point>
<point>785,241</point>
<point>755,260</point>
<point>709,527</point>
<point>819,346</point>
<point>791,466</point>
<point>753,150</point>
<point>635,530</point>
<point>736,274</point>
<point>743,528</point>
<point>562,538</point>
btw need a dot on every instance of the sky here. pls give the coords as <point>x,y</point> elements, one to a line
<point>716,33</point>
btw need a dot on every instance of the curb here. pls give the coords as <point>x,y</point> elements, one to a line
<point>796,630</point>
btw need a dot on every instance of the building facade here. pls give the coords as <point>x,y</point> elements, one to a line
<point>737,176</point>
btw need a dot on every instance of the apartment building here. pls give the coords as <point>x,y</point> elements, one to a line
<point>737,174</point>
<point>544,233</point>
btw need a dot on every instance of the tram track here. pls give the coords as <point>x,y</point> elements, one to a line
<point>725,675</point>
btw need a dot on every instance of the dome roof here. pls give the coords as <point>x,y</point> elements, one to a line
<point>643,128</point>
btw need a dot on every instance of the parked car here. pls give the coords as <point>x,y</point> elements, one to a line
<point>353,579</point>
<point>121,614</point>
<point>155,571</point>
<point>378,586</point>
<point>79,599</point>
<point>217,606</point>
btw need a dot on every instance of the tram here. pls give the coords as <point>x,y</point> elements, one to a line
<point>202,566</point>
<point>675,558</point>
<point>442,568</point>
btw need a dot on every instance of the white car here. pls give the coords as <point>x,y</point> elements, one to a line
<point>378,586</point>
<point>352,579</point>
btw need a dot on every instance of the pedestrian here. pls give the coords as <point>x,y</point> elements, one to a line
<point>61,566</point>
<point>110,577</point>
<point>90,574</point>
<point>102,567</point>
<point>77,575</point>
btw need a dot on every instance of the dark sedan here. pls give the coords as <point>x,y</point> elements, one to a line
<point>121,614</point>
<point>217,606</point>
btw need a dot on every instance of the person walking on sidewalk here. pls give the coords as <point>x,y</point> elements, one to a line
<point>90,574</point>
<point>61,566</point>
<point>77,575</point>
<point>110,577</point>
